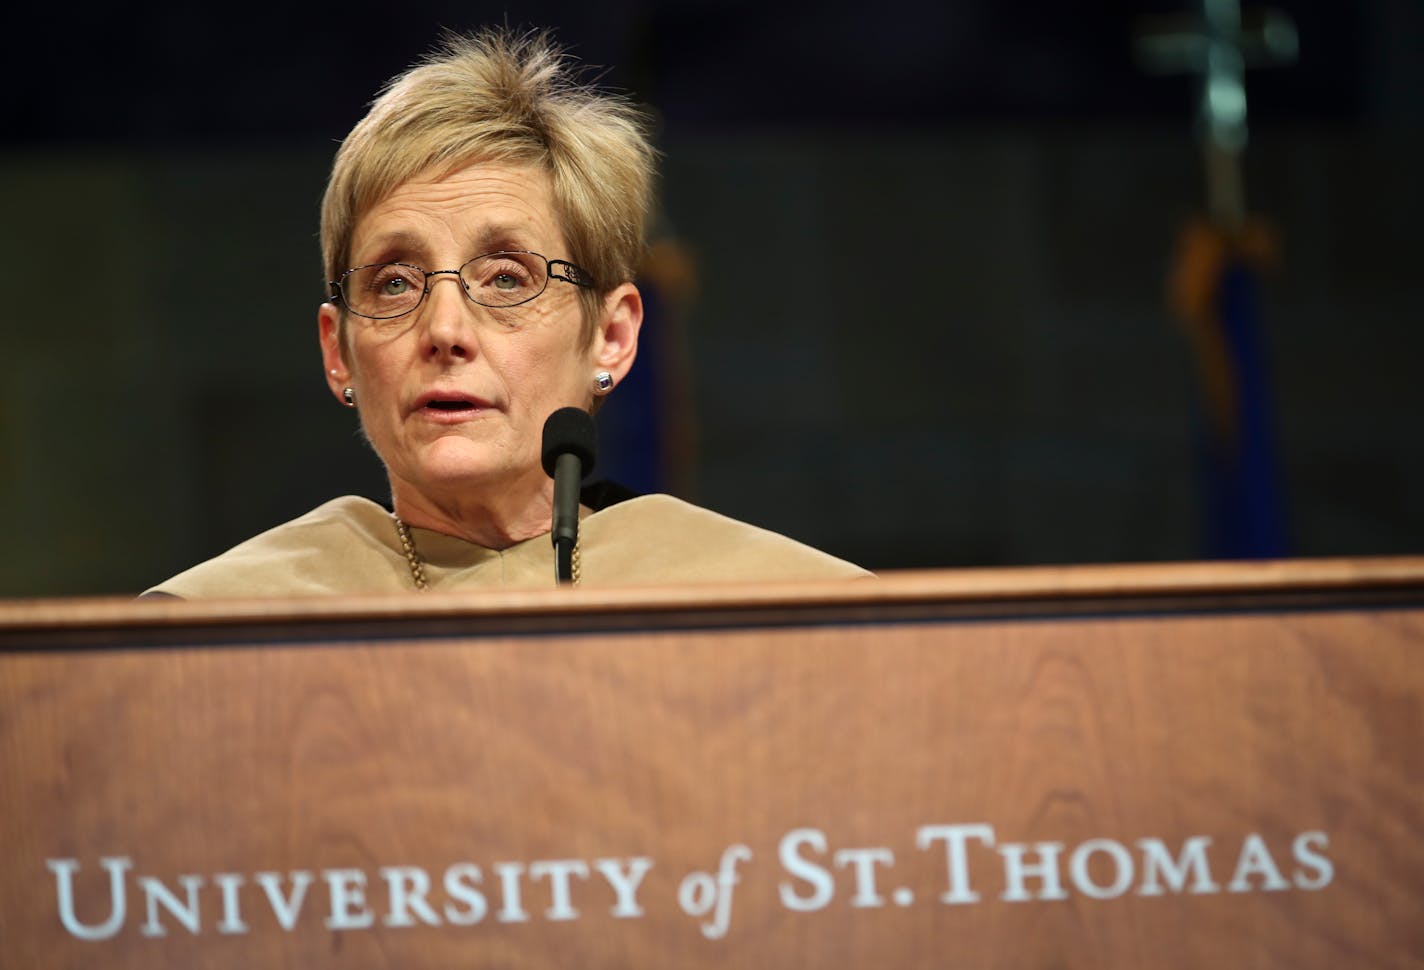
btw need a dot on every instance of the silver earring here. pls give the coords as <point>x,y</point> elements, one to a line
<point>602,382</point>
<point>348,395</point>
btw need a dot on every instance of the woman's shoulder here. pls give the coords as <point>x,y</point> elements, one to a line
<point>659,538</point>
<point>345,545</point>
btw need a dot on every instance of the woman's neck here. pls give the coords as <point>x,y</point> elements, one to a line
<point>493,518</point>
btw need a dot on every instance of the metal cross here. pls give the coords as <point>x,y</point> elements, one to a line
<point>1219,47</point>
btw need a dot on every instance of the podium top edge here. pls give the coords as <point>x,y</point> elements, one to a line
<point>965,592</point>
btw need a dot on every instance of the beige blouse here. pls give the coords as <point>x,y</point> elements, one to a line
<point>350,545</point>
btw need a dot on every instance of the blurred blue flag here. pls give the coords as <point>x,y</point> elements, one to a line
<point>1216,291</point>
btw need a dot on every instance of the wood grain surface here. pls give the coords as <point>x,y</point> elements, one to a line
<point>435,749</point>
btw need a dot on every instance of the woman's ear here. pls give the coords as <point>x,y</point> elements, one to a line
<point>328,325</point>
<point>615,343</point>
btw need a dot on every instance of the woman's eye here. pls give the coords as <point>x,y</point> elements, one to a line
<point>390,281</point>
<point>500,279</point>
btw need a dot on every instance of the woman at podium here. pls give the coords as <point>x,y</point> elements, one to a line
<point>480,230</point>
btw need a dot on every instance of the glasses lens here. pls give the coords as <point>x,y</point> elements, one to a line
<point>505,279</point>
<point>387,290</point>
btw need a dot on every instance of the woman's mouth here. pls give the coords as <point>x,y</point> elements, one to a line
<point>447,408</point>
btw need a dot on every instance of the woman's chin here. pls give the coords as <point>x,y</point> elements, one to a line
<point>456,461</point>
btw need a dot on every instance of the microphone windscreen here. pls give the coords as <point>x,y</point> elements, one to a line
<point>569,431</point>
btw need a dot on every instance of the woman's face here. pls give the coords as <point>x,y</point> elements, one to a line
<point>453,396</point>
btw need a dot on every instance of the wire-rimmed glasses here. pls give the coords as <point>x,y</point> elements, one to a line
<point>384,291</point>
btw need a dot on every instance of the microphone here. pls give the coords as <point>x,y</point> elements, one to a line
<point>570,444</point>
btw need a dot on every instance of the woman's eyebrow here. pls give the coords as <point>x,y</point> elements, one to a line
<point>498,237</point>
<point>401,243</point>
<point>397,242</point>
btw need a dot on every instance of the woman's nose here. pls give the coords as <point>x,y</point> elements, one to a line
<point>449,315</point>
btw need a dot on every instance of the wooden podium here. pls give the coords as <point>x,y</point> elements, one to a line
<point>1165,766</point>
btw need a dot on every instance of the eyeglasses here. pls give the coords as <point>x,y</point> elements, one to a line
<point>383,291</point>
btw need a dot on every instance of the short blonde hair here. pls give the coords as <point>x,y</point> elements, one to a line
<point>503,97</point>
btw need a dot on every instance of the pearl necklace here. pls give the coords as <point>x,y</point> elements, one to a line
<point>412,557</point>
<point>417,566</point>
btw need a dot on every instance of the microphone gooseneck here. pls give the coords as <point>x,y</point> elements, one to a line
<point>570,446</point>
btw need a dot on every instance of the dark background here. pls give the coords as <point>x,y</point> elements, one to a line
<point>961,355</point>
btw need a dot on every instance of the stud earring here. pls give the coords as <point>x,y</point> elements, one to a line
<point>602,382</point>
<point>348,395</point>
